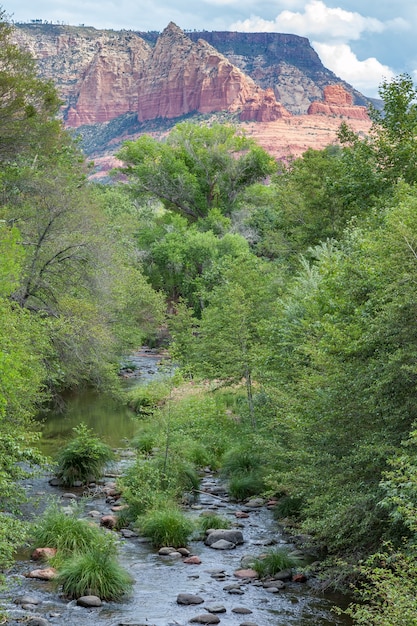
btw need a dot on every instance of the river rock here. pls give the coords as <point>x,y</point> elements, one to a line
<point>241,610</point>
<point>43,554</point>
<point>37,621</point>
<point>48,573</point>
<point>299,578</point>
<point>89,602</point>
<point>277,584</point>
<point>184,552</point>
<point>127,533</point>
<point>189,598</point>
<point>254,503</point>
<point>206,618</point>
<point>246,573</point>
<point>193,560</point>
<point>284,574</point>
<point>248,624</point>
<point>234,536</point>
<point>215,608</point>
<point>241,514</point>
<point>26,600</point>
<point>108,521</point>
<point>69,496</point>
<point>222,544</point>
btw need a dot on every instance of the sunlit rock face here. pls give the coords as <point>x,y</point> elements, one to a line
<point>338,102</point>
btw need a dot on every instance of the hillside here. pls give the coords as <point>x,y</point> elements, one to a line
<point>119,84</point>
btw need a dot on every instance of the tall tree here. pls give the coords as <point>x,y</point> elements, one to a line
<point>196,169</point>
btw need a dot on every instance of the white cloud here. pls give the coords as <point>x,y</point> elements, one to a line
<point>365,75</point>
<point>318,20</point>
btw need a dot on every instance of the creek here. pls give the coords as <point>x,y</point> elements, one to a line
<point>159,580</point>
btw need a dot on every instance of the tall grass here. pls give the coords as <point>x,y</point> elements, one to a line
<point>273,562</point>
<point>166,527</point>
<point>65,532</point>
<point>94,572</point>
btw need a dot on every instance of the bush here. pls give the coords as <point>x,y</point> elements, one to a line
<point>66,533</point>
<point>95,572</point>
<point>84,458</point>
<point>212,521</point>
<point>242,487</point>
<point>240,461</point>
<point>166,527</point>
<point>273,562</point>
<point>144,442</point>
<point>288,506</point>
<point>145,399</point>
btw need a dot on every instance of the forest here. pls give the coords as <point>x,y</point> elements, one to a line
<point>285,293</point>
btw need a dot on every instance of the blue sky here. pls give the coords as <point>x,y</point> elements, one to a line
<point>362,41</point>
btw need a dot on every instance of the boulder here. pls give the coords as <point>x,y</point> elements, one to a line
<point>206,618</point>
<point>233,536</point>
<point>43,554</point>
<point>222,544</point>
<point>89,602</point>
<point>189,598</point>
<point>48,573</point>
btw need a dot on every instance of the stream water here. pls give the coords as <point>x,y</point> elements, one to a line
<point>159,580</point>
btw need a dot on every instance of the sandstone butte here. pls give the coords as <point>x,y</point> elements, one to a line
<point>103,76</point>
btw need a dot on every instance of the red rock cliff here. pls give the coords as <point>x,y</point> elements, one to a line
<point>338,102</point>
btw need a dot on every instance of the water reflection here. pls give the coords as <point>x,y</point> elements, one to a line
<point>109,419</point>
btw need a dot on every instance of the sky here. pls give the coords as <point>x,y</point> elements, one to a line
<point>362,41</point>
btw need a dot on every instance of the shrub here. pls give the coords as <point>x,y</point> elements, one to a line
<point>145,399</point>
<point>240,461</point>
<point>212,521</point>
<point>242,487</point>
<point>94,572</point>
<point>84,458</point>
<point>273,562</point>
<point>166,527</point>
<point>144,442</point>
<point>288,506</point>
<point>66,533</point>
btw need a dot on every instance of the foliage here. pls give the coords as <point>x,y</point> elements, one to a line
<point>84,458</point>
<point>273,562</point>
<point>246,485</point>
<point>94,572</point>
<point>196,169</point>
<point>144,399</point>
<point>386,594</point>
<point>27,103</point>
<point>166,527</point>
<point>66,532</point>
<point>13,532</point>
<point>242,460</point>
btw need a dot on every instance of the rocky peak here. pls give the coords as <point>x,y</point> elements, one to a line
<point>338,102</point>
<point>183,76</point>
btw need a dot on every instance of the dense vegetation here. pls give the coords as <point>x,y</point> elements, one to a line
<point>291,294</point>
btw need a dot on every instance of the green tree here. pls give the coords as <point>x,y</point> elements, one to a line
<point>196,169</point>
<point>27,104</point>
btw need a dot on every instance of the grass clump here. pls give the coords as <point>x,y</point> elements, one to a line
<point>240,461</point>
<point>273,562</point>
<point>288,506</point>
<point>244,468</point>
<point>65,532</point>
<point>84,458</point>
<point>242,487</point>
<point>206,521</point>
<point>166,527</point>
<point>94,572</point>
